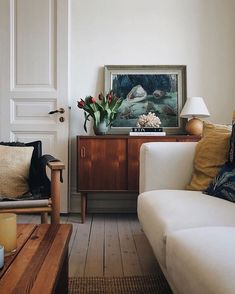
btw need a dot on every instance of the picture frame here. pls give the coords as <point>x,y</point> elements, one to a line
<point>160,89</point>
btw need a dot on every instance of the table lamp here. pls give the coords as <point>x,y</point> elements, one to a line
<point>193,109</point>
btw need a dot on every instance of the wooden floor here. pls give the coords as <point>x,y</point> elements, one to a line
<point>106,245</point>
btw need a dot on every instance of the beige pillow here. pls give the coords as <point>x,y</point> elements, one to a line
<point>14,170</point>
<point>211,153</point>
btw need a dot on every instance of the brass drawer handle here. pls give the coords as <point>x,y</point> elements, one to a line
<point>83,152</point>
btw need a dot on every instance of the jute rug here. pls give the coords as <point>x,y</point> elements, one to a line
<point>149,284</point>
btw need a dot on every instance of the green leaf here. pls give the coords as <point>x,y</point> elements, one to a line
<point>100,107</point>
<point>96,117</point>
<point>86,119</point>
<point>108,113</point>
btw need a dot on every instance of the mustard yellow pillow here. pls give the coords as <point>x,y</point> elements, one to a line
<point>14,170</point>
<point>211,153</point>
<point>209,128</point>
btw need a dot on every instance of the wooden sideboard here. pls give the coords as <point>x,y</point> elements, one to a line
<point>110,163</point>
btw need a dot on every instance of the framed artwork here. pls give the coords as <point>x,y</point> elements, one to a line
<point>160,89</point>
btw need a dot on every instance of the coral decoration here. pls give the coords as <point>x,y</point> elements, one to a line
<point>149,120</point>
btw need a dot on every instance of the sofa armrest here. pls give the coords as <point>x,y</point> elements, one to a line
<point>166,165</point>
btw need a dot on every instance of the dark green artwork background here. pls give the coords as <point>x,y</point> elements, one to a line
<point>165,106</point>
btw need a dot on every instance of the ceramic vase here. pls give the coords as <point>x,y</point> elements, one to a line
<point>102,128</point>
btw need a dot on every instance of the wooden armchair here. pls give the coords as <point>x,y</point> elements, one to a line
<point>44,196</point>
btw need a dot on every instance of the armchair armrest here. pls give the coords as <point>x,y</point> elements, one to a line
<point>166,165</point>
<point>56,165</point>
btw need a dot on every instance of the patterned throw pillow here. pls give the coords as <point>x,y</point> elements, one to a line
<point>231,158</point>
<point>223,185</point>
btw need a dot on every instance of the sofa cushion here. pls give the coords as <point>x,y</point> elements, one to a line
<point>163,211</point>
<point>14,170</point>
<point>223,185</point>
<point>209,128</point>
<point>201,260</point>
<point>211,153</point>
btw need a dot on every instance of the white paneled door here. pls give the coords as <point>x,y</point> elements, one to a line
<point>34,76</point>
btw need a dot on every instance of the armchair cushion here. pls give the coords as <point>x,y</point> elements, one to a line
<point>14,170</point>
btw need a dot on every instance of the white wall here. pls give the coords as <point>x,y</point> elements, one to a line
<point>196,33</point>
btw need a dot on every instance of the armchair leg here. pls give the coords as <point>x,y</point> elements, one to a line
<point>44,217</point>
<point>55,196</point>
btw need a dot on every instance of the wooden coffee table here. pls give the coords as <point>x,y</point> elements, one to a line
<point>40,264</point>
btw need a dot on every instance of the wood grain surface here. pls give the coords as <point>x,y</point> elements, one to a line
<point>41,255</point>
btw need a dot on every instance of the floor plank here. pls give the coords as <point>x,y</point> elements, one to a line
<point>80,244</point>
<point>105,245</point>
<point>130,260</point>
<point>113,261</point>
<point>28,219</point>
<point>73,238</point>
<point>147,260</point>
<point>95,254</point>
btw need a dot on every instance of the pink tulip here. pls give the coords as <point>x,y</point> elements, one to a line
<point>92,100</point>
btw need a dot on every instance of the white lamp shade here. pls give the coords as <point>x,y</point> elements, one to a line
<point>194,107</point>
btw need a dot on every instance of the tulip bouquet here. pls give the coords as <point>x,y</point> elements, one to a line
<point>102,109</point>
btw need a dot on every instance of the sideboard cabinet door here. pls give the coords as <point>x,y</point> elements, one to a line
<point>102,164</point>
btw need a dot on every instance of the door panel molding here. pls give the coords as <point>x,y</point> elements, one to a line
<point>33,62</point>
<point>32,111</point>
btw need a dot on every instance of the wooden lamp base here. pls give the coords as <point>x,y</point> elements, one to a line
<point>194,127</point>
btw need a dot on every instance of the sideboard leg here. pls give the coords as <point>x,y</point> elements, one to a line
<point>83,206</point>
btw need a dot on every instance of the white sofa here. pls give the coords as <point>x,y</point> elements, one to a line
<point>192,234</point>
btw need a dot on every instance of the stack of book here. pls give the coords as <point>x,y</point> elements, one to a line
<point>147,132</point>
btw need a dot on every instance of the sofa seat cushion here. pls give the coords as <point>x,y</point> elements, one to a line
<point>201,260</point>
<point>163,211</point>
